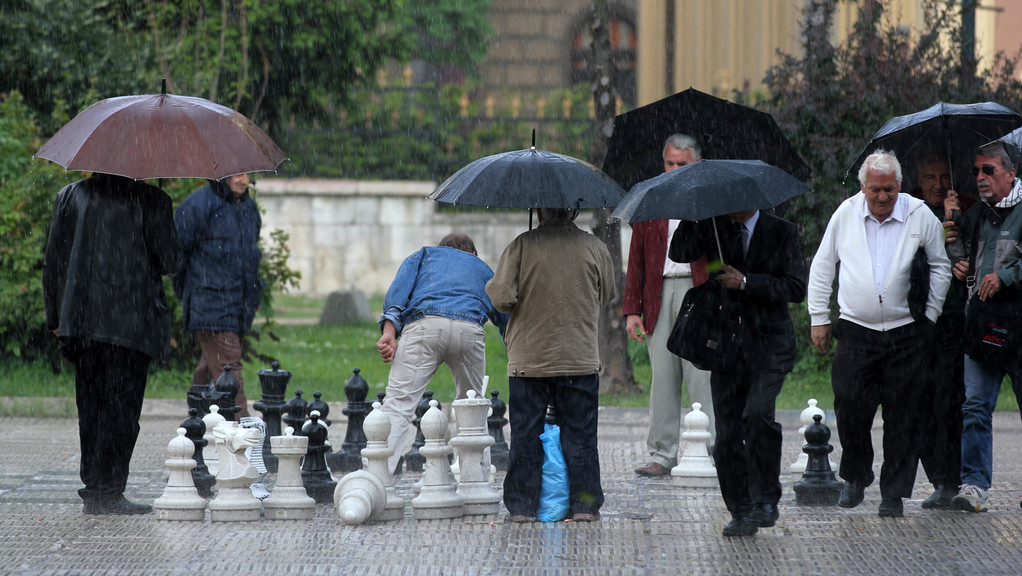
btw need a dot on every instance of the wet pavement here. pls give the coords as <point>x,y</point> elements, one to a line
<point>648,526</point>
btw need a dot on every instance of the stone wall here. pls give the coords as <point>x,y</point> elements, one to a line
<point>355,234</point>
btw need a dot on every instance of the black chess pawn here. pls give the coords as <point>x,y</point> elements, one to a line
<point>495,422</point>
<point>349,457</point>
<point>274,385</point>
<point>414,462</point>
<point>818,486</point>
<point>195,430</point>
<point>226,394</point>
<point>315,474</point>
<point>297,411</point>
<point>319,405</point>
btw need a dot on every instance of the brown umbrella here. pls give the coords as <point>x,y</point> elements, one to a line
<point>162,136</point>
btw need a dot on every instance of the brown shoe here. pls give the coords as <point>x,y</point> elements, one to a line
<point>583,517</point>
<point>653,469</point>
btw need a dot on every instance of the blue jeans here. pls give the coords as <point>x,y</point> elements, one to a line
<point>576,399</point>
<point>982,384</point>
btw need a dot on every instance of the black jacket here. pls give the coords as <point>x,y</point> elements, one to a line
<point>110,241</point>
<point>774,273</point>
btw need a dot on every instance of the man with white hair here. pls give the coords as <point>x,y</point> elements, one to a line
<point>869,244</point>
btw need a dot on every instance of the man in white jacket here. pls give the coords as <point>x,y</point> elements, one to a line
<point>870,243</point>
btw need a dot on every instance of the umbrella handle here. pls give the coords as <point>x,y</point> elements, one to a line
<point>716,235</point>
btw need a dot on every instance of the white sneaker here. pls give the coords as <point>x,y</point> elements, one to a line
<point>970,499</point>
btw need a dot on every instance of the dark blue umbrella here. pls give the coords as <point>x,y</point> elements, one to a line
<point>709,188</point>
<point>530,179</point>
<point>956,129</point>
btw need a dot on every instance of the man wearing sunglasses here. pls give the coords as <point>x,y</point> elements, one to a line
<point>995,225</point>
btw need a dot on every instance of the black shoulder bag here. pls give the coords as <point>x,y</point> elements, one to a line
<point>993,327</point>
<point>708,330</point>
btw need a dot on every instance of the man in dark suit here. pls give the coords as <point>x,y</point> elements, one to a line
<point>762,271</point>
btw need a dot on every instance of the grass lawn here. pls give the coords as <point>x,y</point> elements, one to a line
<point>322,358</point>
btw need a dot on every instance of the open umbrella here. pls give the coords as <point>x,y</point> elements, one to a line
<point>530,179</point>
<point>724,130</point>
<point>956,129</point>
<point>162,136</point>
<point>709,188</point>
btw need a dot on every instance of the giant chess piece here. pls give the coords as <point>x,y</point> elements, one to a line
<point>315,474</point>
<point>438,497</point>
<point>818,486</point>
<point>201,396</point>
<point>320,405</point>
<point>495,422</point>
<point>414,461</point>
<point>471,443</point>
<point>695,468</point>
<point>349,457</point>
<point>234,501</point>
<point>376,454</point>
<point>226,394</point>
<point>209,452</point>
<point>806,418</point>
<point>274,385</point>
<point>360,497</point>
<point>297,411</point>
<point>289,500</point>
<point>180,499</point>
<point>195,430</point>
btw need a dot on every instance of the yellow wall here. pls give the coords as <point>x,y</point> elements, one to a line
<point>721,45</point>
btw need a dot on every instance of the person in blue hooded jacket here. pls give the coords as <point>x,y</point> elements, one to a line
<point>219,286</point>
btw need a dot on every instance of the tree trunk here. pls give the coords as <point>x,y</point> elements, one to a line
<point>617,365</point>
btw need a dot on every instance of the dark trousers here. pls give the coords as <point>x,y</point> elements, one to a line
<point>941,451</point>
<point>748,450</point>
<point>110,384</point>
<point>576,400</point>
<point>873,368</point>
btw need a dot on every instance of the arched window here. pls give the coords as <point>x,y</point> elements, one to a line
<point>622,51</point>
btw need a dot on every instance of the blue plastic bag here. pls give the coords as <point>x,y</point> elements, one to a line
<point>554,503</point>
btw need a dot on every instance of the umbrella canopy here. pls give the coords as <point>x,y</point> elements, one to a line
<point>724,130</point>
<point>162,136</point>
<point>1014,148</point>
<point>530,179</point>
<point>709,188</point>
<point>956,129</point>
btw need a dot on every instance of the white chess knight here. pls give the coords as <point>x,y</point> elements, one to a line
<point>806,418</point>
<point>695,469</point>
<point>234,500</point>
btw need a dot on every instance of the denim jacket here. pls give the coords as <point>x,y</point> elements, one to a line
<point>441,281</point>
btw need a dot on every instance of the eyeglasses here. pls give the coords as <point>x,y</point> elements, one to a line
<point>987,169</point>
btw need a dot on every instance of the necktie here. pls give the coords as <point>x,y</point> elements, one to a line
<point>743,238</point>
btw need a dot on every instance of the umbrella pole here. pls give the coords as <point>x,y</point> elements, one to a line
<point>716,234</point>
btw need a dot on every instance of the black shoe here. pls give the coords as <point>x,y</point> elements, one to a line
<point>120,506</point>
<point>891,508</point>
<point>941,498</point>
<point>851,495</point>
<point>739,527</point>
<point>763,515</point>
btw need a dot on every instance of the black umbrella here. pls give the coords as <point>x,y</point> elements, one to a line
<point>1014,141</point>
<point>956,129</point>
<point>709,188</point>
<point>724,130</point>
<point>530,179</point>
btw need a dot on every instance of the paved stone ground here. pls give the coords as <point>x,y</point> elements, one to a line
<point>649,526</point>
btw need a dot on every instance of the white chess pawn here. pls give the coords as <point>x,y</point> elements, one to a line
<point>209,455</point>
<point>289,500</point>
<point>180,499</point>
<point>438,497</point>
<point>695,468</point>
<point>360,497</point>
<point>376,455</point>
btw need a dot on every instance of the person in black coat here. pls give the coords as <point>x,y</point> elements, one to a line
<point>762,273</point>
<point>110,241</point>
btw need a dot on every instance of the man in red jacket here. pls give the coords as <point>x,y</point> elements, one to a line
<point>656,284</point>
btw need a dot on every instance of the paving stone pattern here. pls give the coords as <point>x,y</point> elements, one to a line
<point>648,526</point>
